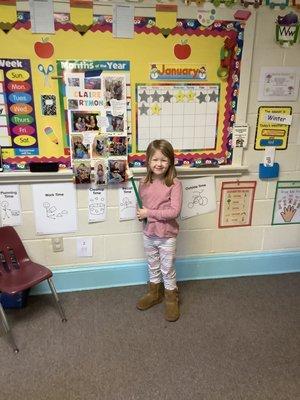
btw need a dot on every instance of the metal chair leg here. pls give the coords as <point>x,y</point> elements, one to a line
<point>53,290</point>
<point>7,329</point>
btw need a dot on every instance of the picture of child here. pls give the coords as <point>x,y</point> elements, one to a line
<point>79,150</point>
<point>82,172</point>
<point>79,123</point>
<point>117,170</point>
<point>100,173</point>
<point>117,145</point>
<point>115,123</point>
<point>115,88</point>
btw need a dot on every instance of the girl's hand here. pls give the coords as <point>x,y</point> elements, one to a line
<point>142,213</point>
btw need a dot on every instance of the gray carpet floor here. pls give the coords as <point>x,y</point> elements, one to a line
<point>237,339</point>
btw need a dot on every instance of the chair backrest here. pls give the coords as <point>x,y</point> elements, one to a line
<point>12,251</point>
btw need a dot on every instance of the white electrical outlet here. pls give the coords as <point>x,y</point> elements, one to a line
<point>57,244</point>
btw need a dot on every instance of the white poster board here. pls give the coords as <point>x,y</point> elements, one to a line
<point>279,84</point>
<point>199,197</point>
<point>10,205</point>
<point>55,208</point>
<point>127,202</point>
<point>97,205</point>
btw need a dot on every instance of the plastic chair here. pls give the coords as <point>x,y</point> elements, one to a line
<point>18,273</point>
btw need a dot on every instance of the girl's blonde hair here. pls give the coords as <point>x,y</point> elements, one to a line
<point>167,150</point>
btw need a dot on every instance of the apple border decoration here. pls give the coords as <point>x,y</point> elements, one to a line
<point>44,49</point>
<point>182,50</point>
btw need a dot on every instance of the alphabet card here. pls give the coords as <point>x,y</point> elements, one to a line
<point>199,197</point>
<point>287,203</point>
<point>55,208</point>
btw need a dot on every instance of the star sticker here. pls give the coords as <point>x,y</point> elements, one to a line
<point>144,96</point>
<point>155,96</point>
<point>180,96</point>
<point>143,109</point>
<point>190,95</point>
<point>201,98</point>
<point>155,109</point>
<point>213,96</point>
<point>167,97</point>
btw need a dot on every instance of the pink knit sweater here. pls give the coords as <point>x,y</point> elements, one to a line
<point>163,204</point>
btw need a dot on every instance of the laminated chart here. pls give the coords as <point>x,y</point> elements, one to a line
<point>186,115</point>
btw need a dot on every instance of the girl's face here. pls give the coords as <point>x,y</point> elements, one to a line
<point>159,164</point>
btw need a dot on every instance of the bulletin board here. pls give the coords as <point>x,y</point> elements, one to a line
<point>150,45</point>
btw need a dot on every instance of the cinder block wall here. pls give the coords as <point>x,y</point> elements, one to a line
<point>115,241</point>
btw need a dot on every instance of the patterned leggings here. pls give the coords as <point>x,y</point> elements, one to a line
<point>160,253</point>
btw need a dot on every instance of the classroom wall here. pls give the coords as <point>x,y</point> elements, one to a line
<point>115,242</point>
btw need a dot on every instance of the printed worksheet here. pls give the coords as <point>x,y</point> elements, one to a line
<point>97,205</point>
<point>127,202</point>
<point>199,197</point>
<point>55,208</point>
<point>287,203</point>
<point>10,205</point>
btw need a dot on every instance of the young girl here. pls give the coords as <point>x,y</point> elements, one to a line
<point>161,195</point>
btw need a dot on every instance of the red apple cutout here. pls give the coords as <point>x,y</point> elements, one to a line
<point>44,49</point>
<point>182,50</point>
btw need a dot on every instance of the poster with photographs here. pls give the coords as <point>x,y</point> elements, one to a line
<point>97,101</point>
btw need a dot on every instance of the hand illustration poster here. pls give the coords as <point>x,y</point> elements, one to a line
<point>97,205</point>
<point>287,203</point>
<point>236,203</point>
<point>10,205</point>
<point>127,202</point>
<point>54,208</point>
<point>199,197</point>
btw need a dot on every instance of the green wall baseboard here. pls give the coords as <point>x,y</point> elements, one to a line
<point>192,268</point>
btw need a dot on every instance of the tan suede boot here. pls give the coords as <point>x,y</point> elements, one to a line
<point>172,305</point>
<point>154,296</point>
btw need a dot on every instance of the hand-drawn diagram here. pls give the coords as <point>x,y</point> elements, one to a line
<point>10,205</point>
<point>126,203</point>
<point>52,212</point>
<point>198,199</point>
<point>97,206</point>
<point>6,212</point>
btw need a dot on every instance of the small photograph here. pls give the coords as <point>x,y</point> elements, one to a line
<point>114,88</point>
<point>99,147</point>
<point>79,150</point>
<point>73,81</point>
<point>116,170</point>
<point>100,172</point>
<point>117,145</point>
<point>82,171</point>
<point>115,123</point>
<point>92,83</point>
<point>72,104</point>
<point>84,121</point>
